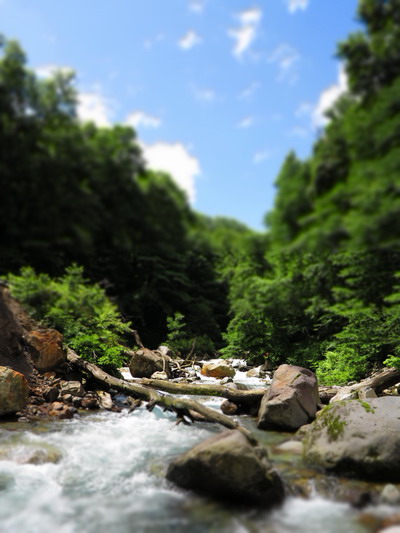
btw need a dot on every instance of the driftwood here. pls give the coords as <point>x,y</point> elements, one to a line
<point>180,406</point>
<point>380,380</point>
<point>232,394</point>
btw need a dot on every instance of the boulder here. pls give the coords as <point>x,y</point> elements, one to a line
<point>145,362</point>
<point>218,369</point>
<point>14,391</point>
<point>291,401</point>
<point>257,372</point>
<point>229,467</point>
<point>48,350</point>
<point>357,438</point>
<point>74,388</point>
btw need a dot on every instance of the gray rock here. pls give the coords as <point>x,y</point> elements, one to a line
<point>390,494</point>
<point>256,372</point>
<point>366,392</point>
<point>228,467</point>
<point>357,438</point>
<point>145,362</point>
<point>105,400</point>
<point>291,401</point>
<point>72,387</point>
<point>51,394</point>
<point>294,447</point>
<point>164,350</point>
<point>225,381</point>
<point>345,393</point>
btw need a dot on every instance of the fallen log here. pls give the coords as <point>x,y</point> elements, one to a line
<point>381,380</point>
<point>378,382</point>
<point>181,406</point>
<point>232,394</point>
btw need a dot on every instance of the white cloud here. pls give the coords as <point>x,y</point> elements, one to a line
<point>197,6</point>
<point>249,91</point>
<point>295,5</point>
<point>49,70</point>
<point>177,161</point>
<point>328,98</point>
<point>246,122</point>
<point>286,58</point>
<point>140,118</point>
<point>250,16</point>
<point>247,31</point>
<point>189,40</point>
<point>261,156</point>
<point>94,107</point>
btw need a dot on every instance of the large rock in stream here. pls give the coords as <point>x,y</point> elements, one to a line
<point>357,438</point>
<point>144,363</point>
<point>229,467</point>
<point>14,391</point>
<point>291,401</point>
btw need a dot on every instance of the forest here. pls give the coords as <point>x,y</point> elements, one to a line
<point>97,245</point>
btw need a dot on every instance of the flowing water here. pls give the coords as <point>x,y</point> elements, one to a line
<point>108,475</point>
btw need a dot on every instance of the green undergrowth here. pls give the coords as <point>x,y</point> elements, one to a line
<point>89,321</point>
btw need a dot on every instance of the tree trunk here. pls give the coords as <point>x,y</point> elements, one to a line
<point>253,396</point>
<point>180,406</point>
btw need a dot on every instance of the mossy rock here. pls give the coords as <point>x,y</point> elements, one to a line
<point>357,438</point>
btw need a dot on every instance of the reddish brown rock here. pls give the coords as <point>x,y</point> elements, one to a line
<point>48,352</point>
<point>14,391</point>
<point>229,408</point>
<point>219,370</point>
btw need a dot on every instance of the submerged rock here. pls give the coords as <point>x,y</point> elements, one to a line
<point>357,438</point>
<point>14,391</point>
<point>218,369</point>
<point>229,467</point>
<point>291,401</point>
<point>145,362</point>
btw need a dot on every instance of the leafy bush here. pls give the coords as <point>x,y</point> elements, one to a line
<point>341,365</point>
<point>89,321</point>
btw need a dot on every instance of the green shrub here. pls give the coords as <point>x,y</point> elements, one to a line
<point>342,365</point>
<point>89,321</point>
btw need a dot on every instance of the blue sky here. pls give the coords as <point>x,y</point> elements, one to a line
<point>218,90</point>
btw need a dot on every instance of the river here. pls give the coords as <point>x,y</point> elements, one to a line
<point>109,476</point>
